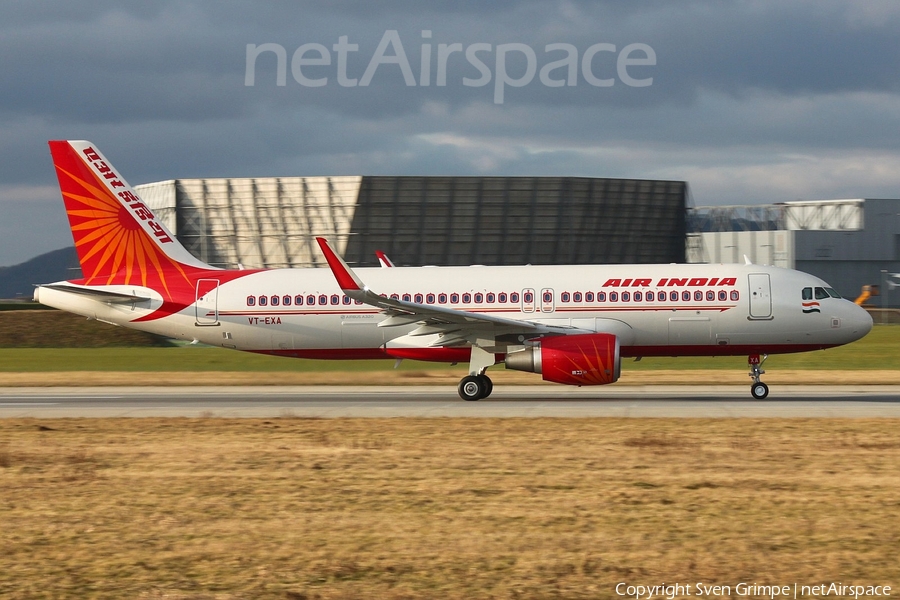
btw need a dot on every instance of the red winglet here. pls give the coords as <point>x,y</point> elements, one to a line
<point>383,259</point>
<point>347,280</point>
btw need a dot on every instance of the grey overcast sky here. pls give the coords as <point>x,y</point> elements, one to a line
<point>750,101</point>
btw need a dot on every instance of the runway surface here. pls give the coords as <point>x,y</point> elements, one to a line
<point>511,401</point>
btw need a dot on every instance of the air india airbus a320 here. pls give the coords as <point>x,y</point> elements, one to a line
<point>570,324</point>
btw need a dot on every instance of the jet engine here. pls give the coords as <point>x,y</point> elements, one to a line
<point>587,359</point>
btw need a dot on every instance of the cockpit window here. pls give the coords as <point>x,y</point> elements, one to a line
<point>832,293</point>
<point>807,293</point>
<point>821,294</point>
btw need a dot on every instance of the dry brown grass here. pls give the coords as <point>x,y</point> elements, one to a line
<point>436,377</point>
<point>440,508</point>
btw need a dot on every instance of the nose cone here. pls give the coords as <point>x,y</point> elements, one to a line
<point>857,323</point>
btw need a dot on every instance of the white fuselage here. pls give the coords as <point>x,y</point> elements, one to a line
<point>653,309</point>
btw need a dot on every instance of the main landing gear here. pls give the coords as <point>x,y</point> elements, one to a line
<point>475,387</point>
<point>758,389</point>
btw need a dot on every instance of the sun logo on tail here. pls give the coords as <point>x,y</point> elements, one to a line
<point>117,237</point>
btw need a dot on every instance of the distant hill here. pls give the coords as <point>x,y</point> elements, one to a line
<point>18,281</point>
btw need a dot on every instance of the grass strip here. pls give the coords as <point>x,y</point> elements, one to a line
<point>880,350</point>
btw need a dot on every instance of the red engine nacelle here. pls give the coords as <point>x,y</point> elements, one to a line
<point>588,359</point>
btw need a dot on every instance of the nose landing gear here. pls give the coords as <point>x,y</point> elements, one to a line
<point>758,389</point>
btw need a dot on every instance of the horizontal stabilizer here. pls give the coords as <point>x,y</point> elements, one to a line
<point>101,295</point>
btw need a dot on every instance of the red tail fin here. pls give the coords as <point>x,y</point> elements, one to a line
<point>118,240</point>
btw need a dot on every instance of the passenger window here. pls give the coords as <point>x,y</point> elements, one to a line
<point>548,297</point>
<point>467,298</point>
<point>686,296</point>
<point>698,296</point>
<point>650,296</point>
<point>335,299</point>
<point>310,300</point>
<point>514,297</point>
<point>564,297</point>
<point>613,296</point>
<point>821,294</point>
<point>491,297</point>
<point>626,296</point>
<point>286,300</point>
<point>638,296</point>
<point>723,295</point>
<point>576,297</point>
<point>298,300</point>
<point>274,300</point>
<point>345,300</point>
<point>807,293</point>
<point>601,296</point>
<point>479,298</point>
<point>395,297</point>
<point>454,298</point>
<point>735,295</point>
<point>429,299</point>
<point>501,297</point>
<point>323,300</point>
<point>589,296</point>
<point>442,298</point>
<point>263,301</point>
<point>673,296</point>
<point>251,300</point>
<point>710,295</point>
<point>420,298</point>
<point>407,298</point>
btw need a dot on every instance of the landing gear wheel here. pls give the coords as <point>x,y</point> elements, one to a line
<point>759,390</point>
<point>488,385</point>
<point>471,388</point>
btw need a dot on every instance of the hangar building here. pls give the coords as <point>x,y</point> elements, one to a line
<point>848,243</point>
<point>271,222</point>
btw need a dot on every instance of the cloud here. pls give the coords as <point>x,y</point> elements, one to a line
<point>753,101</point>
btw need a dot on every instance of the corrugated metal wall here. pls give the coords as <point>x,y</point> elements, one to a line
<point>518,220</point>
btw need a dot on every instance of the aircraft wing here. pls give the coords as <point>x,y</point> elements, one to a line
<point>456,326</point>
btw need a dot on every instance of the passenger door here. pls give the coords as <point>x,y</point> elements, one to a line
<point>760,296</point>
<point>206,304</point>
